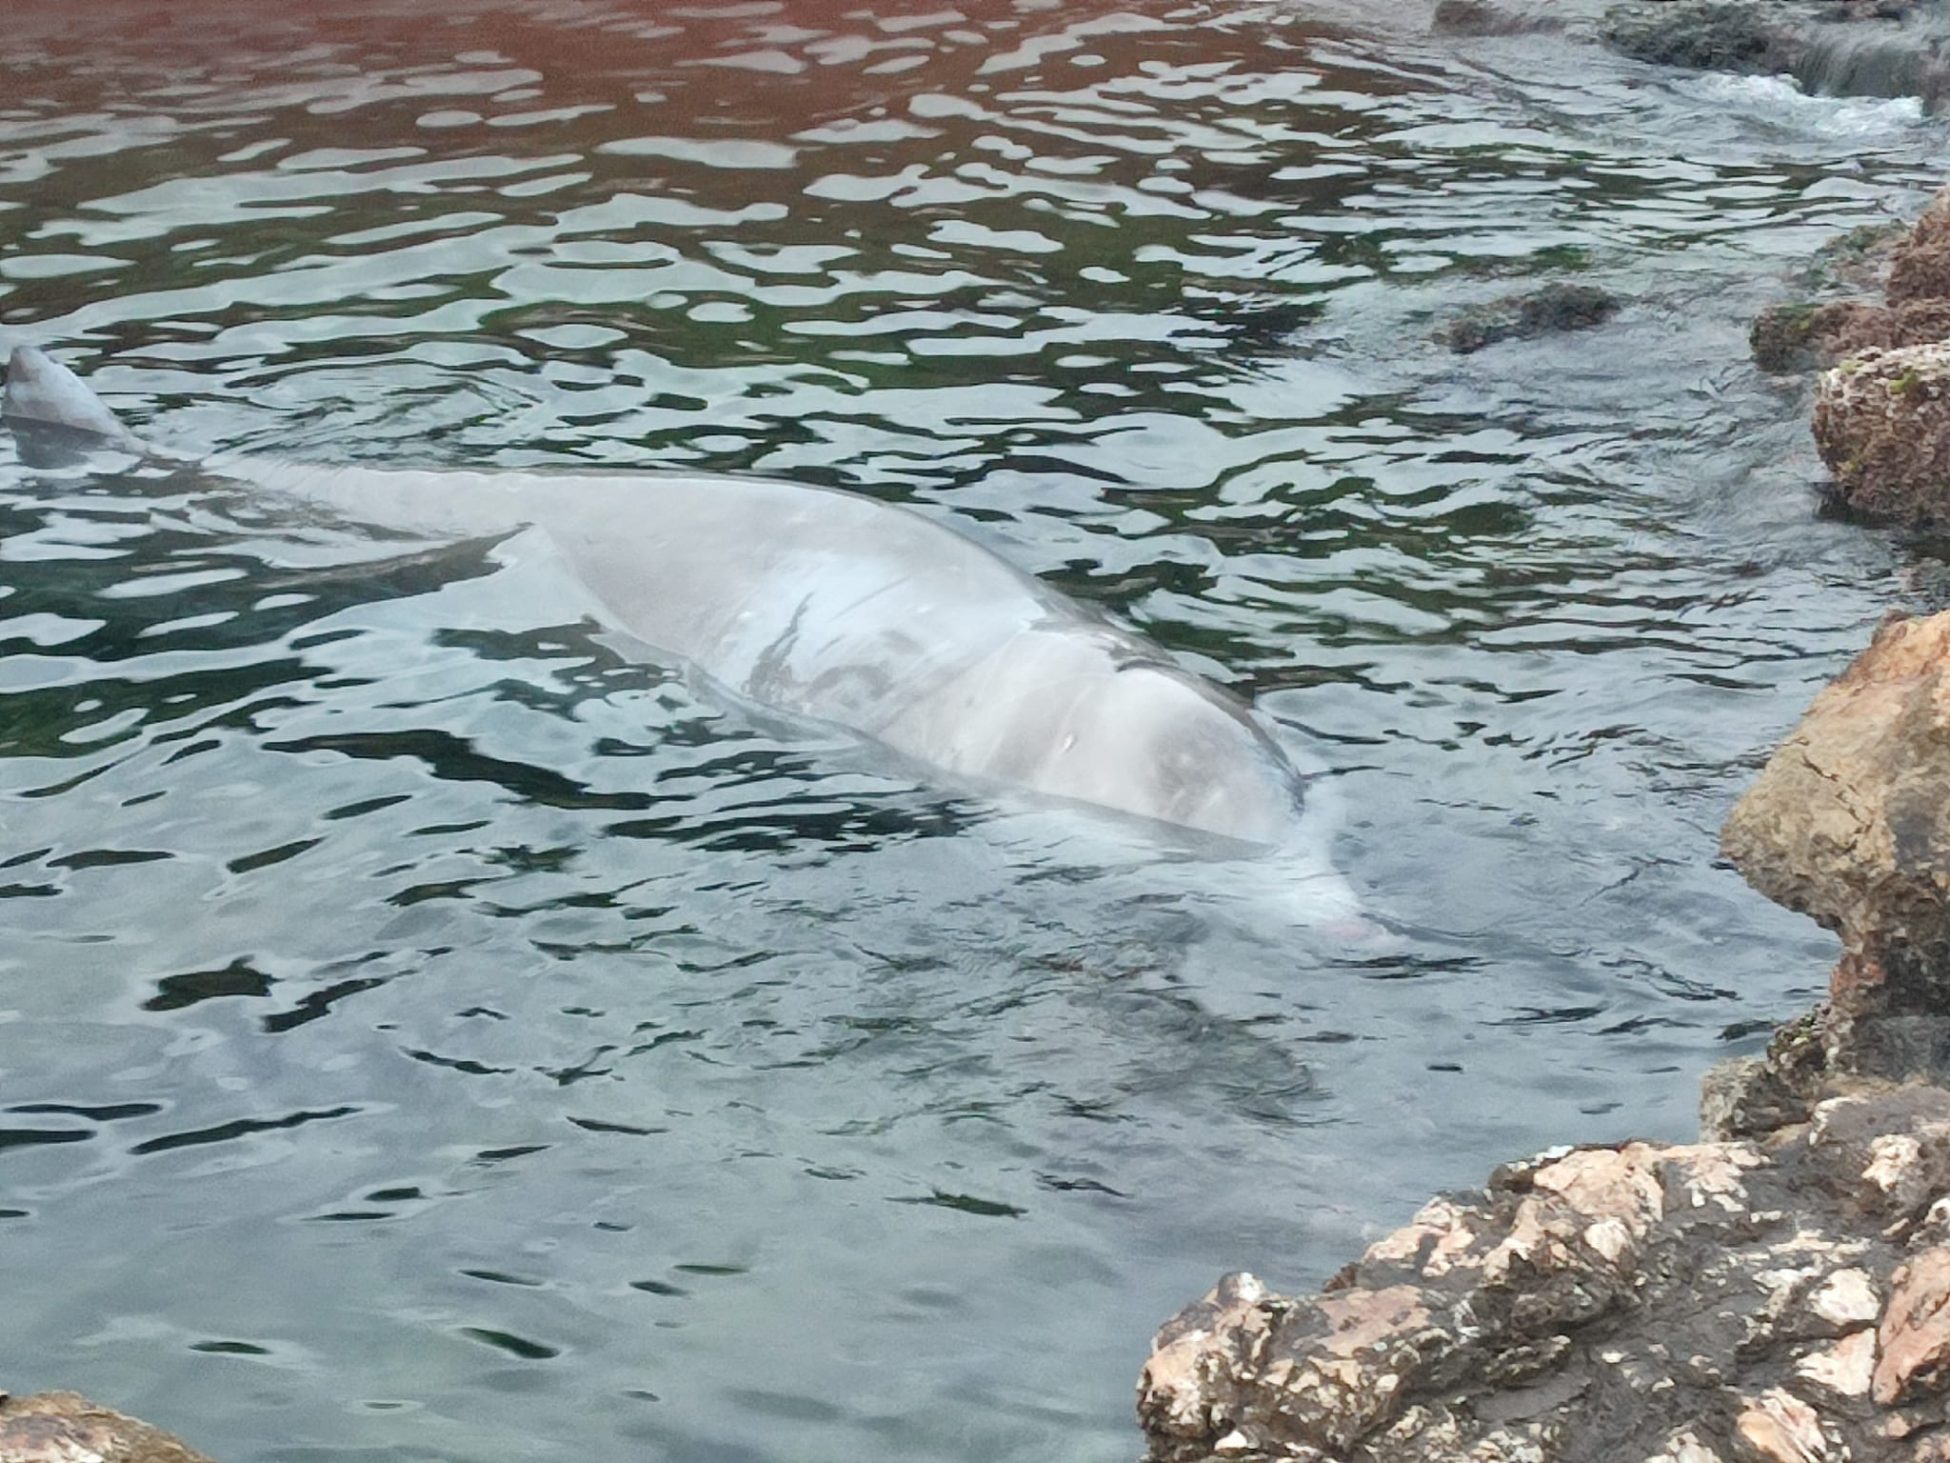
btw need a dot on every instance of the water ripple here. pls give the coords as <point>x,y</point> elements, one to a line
<point>387,948</point>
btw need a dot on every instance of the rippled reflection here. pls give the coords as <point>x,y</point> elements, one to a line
<point>430,1027</point>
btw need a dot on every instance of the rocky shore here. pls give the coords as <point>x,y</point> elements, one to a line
<point>1779,1291</point>
<point>65,1427</point>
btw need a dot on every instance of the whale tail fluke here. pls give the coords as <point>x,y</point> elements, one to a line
<point>41,392</point>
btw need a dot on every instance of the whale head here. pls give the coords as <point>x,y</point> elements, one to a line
<point>1156,742</point>
<point>1071,712</point>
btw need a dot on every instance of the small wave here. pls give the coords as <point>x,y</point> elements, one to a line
<point>1780,101</point>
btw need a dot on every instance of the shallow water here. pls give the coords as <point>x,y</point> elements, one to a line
<point>428,1032</point>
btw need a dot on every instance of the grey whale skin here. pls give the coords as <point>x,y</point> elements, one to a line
<point>835,606</point>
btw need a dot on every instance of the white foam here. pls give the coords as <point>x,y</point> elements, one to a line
<point>1780,101</point>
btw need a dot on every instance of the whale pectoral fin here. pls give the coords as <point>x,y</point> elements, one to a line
<point>41,392</point>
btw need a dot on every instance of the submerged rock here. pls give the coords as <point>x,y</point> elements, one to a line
<point>65,1427</point>
<point>1858,260</point>
<point>1481,18</point>
<point>1709,35</point>
<point>1553,308</point>
<point>1882,425</point>
<point>1789,338</point>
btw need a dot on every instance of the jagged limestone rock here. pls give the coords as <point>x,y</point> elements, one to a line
<point>65,1427</point>
<point>1746,1301</point>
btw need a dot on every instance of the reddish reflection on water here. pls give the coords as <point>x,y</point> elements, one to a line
<point>767,68</point>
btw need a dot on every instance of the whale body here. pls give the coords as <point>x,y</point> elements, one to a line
<point>831,605</point>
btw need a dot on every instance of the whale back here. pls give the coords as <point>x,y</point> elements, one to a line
<point>835,606</point>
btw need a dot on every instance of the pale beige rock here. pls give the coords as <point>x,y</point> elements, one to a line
<point>1188,1385</point>
<point>1913,1338</point>
<point>1850,823</point>
<point>1710,1173</point>
<point>1611,1238</point>
<point>1597,1304</point>
<point>65,1427</point>
<point>1686,1448</point>
<point>1439,1235</point>
<point>1614,1184</point>
<point>1895,1168</point>
<point>1846,1368</point>
<point>1781,1428</point>
<point>1846,1299</point>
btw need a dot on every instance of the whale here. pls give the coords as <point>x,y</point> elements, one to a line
<point>834,606</point>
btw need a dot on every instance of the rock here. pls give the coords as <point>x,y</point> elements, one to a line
<point>1794,337</point>
<point>1708,35</point>
<point>1909,265</point>
<point>1877,48</point>
<point>1801,337</point>
<point>1857,261</point>
<point>1845,1300</point>
<point>65,1427</point>
<point>1553,308</point>
<point>1781,1428</point>
<point>1882,425</point>
<point>1846,1369</point>
<point>1913,1338</point>
<point>1196,1360</point>
<point>1920,269</point>
<point>1850,822</point>
<point>1752,1096</point>
<point>1647,1303</point>
<point>1882,48</point>
<point>1913,267</point>
<point>1480,18</point>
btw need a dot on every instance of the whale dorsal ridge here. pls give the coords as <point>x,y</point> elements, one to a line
<point>42,390</point>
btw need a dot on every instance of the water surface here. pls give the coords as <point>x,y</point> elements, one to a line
<point>427,1031</point>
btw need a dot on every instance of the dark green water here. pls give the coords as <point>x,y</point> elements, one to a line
<point>426,1033</point>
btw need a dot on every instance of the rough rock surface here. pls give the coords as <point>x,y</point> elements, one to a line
<point>65,1427</point>
<point>1850,823</point>
<point>1882,411</point>
<point>1802,337</point>
<point>1882,425</point>
<point>1832,321</point>
<point>1553,308</point>
<point>1786,1301</point>
<point>1921,267</point>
